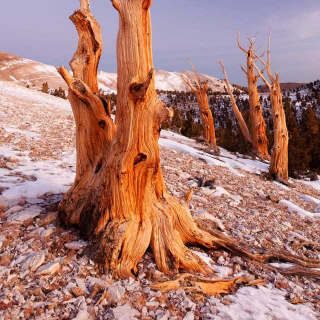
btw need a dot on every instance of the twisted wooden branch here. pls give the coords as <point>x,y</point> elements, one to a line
<point>242,123</point>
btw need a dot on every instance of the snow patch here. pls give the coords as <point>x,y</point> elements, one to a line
<point>313,184</point>
<point>294,208</point>
<point>51,176</point>
<point>263,303</point>
<point>309,198</point>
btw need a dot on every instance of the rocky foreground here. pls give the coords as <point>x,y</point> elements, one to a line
<point>45,273</point>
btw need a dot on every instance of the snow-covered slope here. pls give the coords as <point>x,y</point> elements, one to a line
<point>171,81</point>
<point>27,72</point>
<point>43,266</point>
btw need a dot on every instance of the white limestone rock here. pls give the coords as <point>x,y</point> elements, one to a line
<point>189,316</point>
<point>83,309</point>
<point>206,215</point>
<point>115,292</point>
<point>2,239</point>
<point>188,304</point>
<point>47,233</point>
<point>33,261</point>
<point>207,191</point>
<point>24,215</point>
<point>124,312</point>
<point>82,315</point>
<point>75,245</point>
<point>192,183</point>
<point>49,269</point>
<point>43,232</point>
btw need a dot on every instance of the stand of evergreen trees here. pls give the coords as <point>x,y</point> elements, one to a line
<point>60,93</point>
<point>302,115</point>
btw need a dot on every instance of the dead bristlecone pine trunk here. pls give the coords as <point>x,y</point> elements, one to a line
<point>259,134</point>
<point>242,124</point>
<point>119,199</point>
<point>279,153</point>
<point>200,90</point>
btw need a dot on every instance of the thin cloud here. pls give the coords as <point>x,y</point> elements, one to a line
<point>298,27</point>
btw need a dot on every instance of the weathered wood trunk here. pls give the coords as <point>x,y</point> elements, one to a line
<point>259,134</point>
<point>200,90</point>
<point>242,124</point>
<point>119,199</point>
<point>206,116</point>
<point>94,126</point>
<point>279,154</point>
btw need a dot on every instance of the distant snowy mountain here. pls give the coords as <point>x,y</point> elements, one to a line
<point>28,72</point>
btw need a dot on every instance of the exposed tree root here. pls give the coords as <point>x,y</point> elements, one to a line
<point>262,256</point>
<point>120,246</point>
<point>293,271</point>
<point>191,283</point>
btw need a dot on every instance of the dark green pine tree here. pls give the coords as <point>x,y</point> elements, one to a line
<point>191,129</point>
<point>226,137</point>
<point>298,154</point>
<point>315,156</point>
<point>59,93</point>
<point>310,128</point>
<point>177,121</point>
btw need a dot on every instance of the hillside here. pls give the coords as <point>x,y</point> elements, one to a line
<point>27,72</point>
<point>45,274</point>
<point>283,85</point>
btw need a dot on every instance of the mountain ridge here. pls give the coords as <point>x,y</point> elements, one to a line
<point>29,72</point>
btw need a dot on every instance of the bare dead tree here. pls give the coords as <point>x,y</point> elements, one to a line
<point>242,124</point>
<point>200,90</point>
<point>279,154</point>
<point>260,140</point>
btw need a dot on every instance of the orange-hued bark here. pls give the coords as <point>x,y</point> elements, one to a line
<point>242,124</point>
<point>94,126</point>
<point>119,198</point>
<point>260,140</point>
<point>200,90</point>
<point>279,153</point>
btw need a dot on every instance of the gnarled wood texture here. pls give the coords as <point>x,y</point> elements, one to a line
<point>121,203</point>
<point>94,128</point>
<point>243,126</point>
<point>200,90</point>
<point>260,140</point>
<point>279,154</point>
<point>119,199</point>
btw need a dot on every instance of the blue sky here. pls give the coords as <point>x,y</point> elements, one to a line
<point>205,30</point>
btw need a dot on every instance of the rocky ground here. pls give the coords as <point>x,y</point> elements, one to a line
<point>45,274</point>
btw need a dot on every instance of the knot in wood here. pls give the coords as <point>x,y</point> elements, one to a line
<point>139,158</point>
<point>102,124</point>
